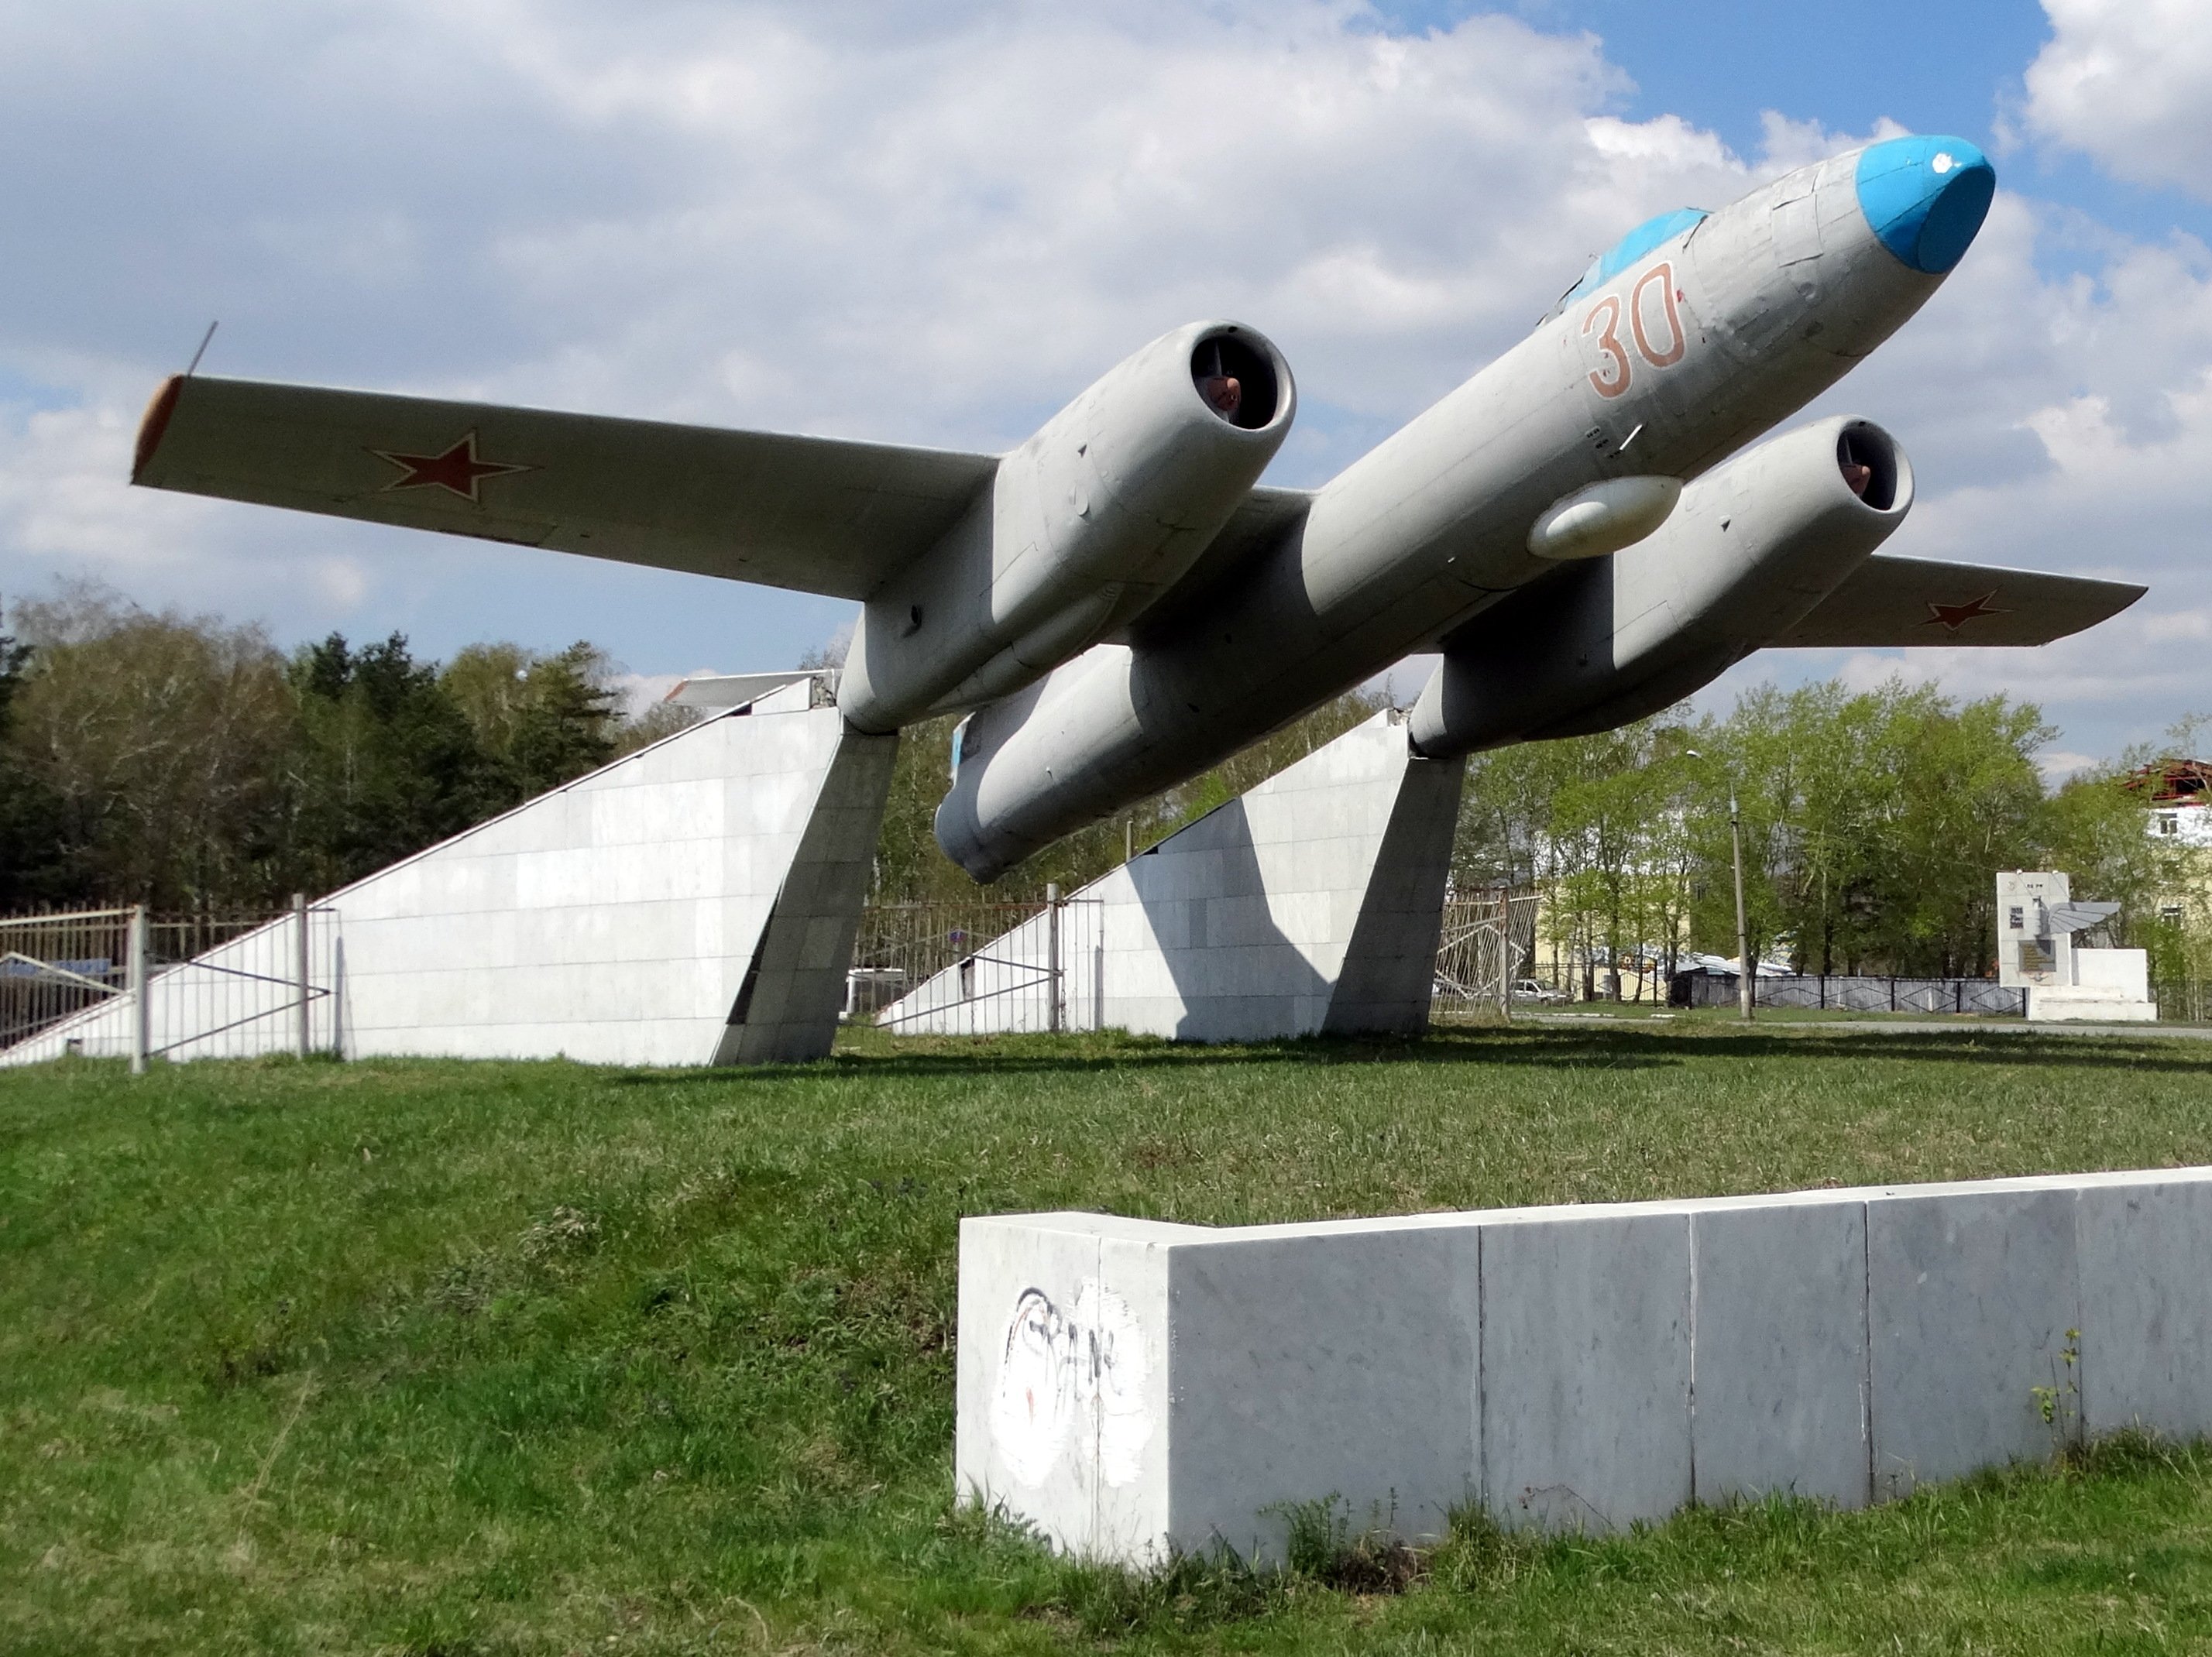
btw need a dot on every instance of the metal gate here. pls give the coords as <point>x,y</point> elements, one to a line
<point>982,968</point>
<point>1484,942</point>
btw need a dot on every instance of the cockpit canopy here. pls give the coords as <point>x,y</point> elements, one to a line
<point>1651,234</point>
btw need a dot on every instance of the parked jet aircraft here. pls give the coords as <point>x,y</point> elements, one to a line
<point>1118,602</point>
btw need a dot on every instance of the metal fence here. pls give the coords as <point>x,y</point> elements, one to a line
<point>1853,992</point>
<point>982,968</point>
<point>1485,942</point>
<point>900,945</point>
<point>53,967</point>
<point>125,983</point>
<point>2182,1001</point>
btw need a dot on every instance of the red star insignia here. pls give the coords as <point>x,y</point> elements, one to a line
<point>1952,618</point>
<point>457,471</point>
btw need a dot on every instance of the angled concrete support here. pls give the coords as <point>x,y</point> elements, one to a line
<point>1311,903</point>
<point>793,989</point>
<point>1388,976</point>
<point>692,903</point>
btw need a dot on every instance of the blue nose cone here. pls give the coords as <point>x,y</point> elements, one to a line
<point>1925,197</point>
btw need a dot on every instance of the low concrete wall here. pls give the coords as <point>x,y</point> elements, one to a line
<point>1135,1387</point>
<point>2110,986</point>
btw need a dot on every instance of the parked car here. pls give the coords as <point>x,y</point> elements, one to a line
<point>1530,989</point>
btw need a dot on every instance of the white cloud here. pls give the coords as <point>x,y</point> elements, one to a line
<point>2181,624</point>
<point>636,692</point>
<point>935,225</point>
<point>2057,764</point>
<point>2128,83</point>
<point>927,227</point>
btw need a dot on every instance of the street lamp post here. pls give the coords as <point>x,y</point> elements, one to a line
<point>1746,968</point>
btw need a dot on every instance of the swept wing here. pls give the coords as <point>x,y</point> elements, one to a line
<point>1889,603</point>
<point>815,514</point>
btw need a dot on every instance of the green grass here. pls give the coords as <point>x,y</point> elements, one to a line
<point>444,1357</point>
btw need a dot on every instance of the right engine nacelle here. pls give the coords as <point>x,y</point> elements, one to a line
<point>1752,548</point>
<point>1082,526</point>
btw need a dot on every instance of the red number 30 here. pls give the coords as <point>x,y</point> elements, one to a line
<point>1613,380</point>
<point>1608,341</point>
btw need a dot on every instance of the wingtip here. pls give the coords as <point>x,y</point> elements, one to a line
<point>153,424</point>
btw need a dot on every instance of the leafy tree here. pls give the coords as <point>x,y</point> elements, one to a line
<point>540,720</point>
<point>2097,828</point>
<point>155,741</point>
<point>1874,823</point>
<point>385,762</point>
<point>14,657</point>
<point>28,820</point>
<point>909,867</point>
<point>655,723</point>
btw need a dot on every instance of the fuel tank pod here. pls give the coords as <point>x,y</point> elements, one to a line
<point>1603,518</point>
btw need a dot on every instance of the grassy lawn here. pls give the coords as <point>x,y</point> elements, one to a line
<point>446,1357</point>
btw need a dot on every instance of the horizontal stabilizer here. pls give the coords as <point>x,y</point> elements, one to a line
<point>815,514</point>
<point>1889,603</point>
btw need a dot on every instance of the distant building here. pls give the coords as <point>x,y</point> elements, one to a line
<point>2178,793</point>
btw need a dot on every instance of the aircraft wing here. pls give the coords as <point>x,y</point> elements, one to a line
<point>1892,601</point>
<point>1261,518</point>
<point>815,514</point>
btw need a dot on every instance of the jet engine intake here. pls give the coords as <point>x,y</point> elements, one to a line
<point>1749,550</point>
<point>1080,529</point>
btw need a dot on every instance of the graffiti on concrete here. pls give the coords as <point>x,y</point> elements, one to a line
<point>1072,1382</point>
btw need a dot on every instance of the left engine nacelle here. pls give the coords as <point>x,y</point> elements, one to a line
<point>1080,529</point>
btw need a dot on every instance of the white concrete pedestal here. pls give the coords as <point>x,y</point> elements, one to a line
<point>2110,986</point>
<point>1311,903</point>
<point>693,902</point>
<point>1135,1388</point>
<point>2037,953</point>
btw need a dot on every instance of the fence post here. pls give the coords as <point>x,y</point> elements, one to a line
<point>1052,1019</point>
<point>1503,939</point>
<point>136,975</point>
<point>301,983</point>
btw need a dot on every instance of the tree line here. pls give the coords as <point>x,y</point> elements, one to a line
<point>1874,823</point>
<point>187,763</point>
<point>190,763</point>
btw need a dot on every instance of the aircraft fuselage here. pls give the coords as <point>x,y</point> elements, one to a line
<point>1664,361</point>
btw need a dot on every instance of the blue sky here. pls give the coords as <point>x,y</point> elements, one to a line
<point>1929,67</point>
<point>833,216</point>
